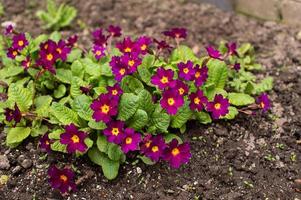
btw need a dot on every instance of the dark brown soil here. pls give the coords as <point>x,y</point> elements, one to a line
<point>254,157</point>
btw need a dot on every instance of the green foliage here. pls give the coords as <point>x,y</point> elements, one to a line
<point>240,99</point>
<point>128,106</point>
<point>21,96</point>
<point>57,17</point>
<point>16,135</point>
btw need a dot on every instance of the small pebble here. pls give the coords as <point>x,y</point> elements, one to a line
<point>16,170</point>
<point>4,162</point>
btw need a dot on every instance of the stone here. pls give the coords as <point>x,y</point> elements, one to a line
<point>290,11</point>
<point>27,163</point>
<point>16,170</point>
<point>4,162</point>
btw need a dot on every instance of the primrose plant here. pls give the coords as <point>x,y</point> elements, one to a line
<point>123,99</point>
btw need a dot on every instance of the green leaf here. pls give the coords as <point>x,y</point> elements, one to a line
<point>55,36</point>
<point>81,105</point>
<point>96,156</point>
<point>182,54</point>
<point>42,104</point>
<point>114,152</point>
<point>88,142</point>
<point>73,55</point>
<point>22,96</point>
<point>91,68</point>
<point>77,69</point>
<point>102,143</point>
<point>97,125</point>
<point>160,121</point>
<point>146,160</point>
<point>217,73</point>
<point>130,84</point>
<point>265,85</point>
<point>60,91</point>
<point>64,75</point>
<point>203,117</point>
<point>139,120</point>
<point>76,83</point>
<point>63,114</point>
<point>110,168</point>
<point>169,137</point>
<point>16,135</point>
<point>128,105</point>
<point>143,69</point>
<point>10,71</point>
<point>57,146</point>
<point>37,131</point>
<point>145,101</point>
<point>232,113</point>
<point>56,134</point>
<point>243,49</point>
<point>182,116</point>
<point>240,99</point>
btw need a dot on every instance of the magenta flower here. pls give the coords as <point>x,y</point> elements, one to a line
<point>197,100</point>
<point>12,53</point>
<point>153,147</point>
<point>236,66</point>
<point>201,75</point>
<point>181,87</point>
<point>171,101</point>
<point>61,179</point>
<point>115,31</point>
<point>85,89</point>
<point>19,41</point>
<point>161,45</point>
<point>9,29</point>
<point>72,40</point>
<point>142,44</point>
<point>99,38</point>
<point>126,46</point>
<point>131,140</point>
<point>62,50</point>
<point>176,33</point>
<point>264,102</point>
<point>177,154</point>
<point>132,61</point>
<point>219,107</point>
<point>115,131</point>
<point>119,69</point>
<point>45,143</point>
<point>48,55</point>
<point>115,91</point>
<point>186,70</point>
<point>163,78</point>
<point>232,48</point>
<point>74,139</point>
<point>11,115</point>
<point>104,108</point>
<point>213,53</point>
<point>26,63</point>
<point>99,51</point>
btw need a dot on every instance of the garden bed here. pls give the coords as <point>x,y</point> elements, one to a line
<point>252,157</point>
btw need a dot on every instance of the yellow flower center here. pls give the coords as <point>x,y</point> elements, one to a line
<point>164,80</point>
<point>128,140</point>
<point>170,101</point>
<point>181,91</point>
<point>197,74</point>
<point>75,139</point>
<point>148,143</point>
<point>59,50</point>
<point>46,46</point>
<point>217,106</point>
<point>63,178</point>
<point>49,57</point>
<point>122,71</point>
<point>143,47</point>
<point>155,149</point>
<point>115,131</point>
<point>175,151</point>
<point>114,92</point>
<point>196,100</point>
<point>127,50</point>
<point>131,63</point>
<point>105,109</point>
<point>27,64</point>
<point>20,43</point>
<point>47,142</point>
<point>186,70</point>
<point>15,53</point>
<point>262,105</point>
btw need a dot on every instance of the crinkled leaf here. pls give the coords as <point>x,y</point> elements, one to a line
<point>143,69</point>
<point>55,135</point>
<point>22,96</point>
<point>64,114</point>
<point>139,120</point>
<point>128,105</point>
<point>203,117</point>
<point>102,143</point>
<point>37,131</point>
<point>182,54</point>
<point>97,125</point>
<point>114,152</point>
<point>77,69</point>
<point>42,104</point>
<point>182,116</point>
<point>130,84</point>
<point>169,137</point>
<point>265,85</point>
<point>240,99</point>
<point>159,121</point>
<point>145,101</point>
<point>217,73</point>
<point>64,75</point>
<point>81,105</point>
<point>60,91</point>
<point>16,135</point>
<point>57,146</point>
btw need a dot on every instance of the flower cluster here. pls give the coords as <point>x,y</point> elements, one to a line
<point>19,42</point>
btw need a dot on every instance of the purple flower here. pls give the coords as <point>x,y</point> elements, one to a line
<point>177,154</point>
<point>48,55</point>
<point>126,46</point>
<point>115,131</point>
<point>119,69</point>
<point>163,78</point>
<point>61,179</point>
<point>197,100</point>
<point>85,89</point>
<point>219,107</point>
<point>45,143</point>
<point>13,114</point>
<point>99,38</point>
<point>232,48</point>
<point>71,41</point>
<point>213,53</point>
<point>62,50</point>
<point>201,75</point>
<point>264,102</point>
<point>131,140</point>
<point>181,87</point>
<point>115,91</point>
<point>26,63</point>
<point>142,44</point>
<point>176,33</point>
<point>104,108</point>
<point>12,53</point>
<point>9,29</point>
<point>153,147</point>
<point>74,139</point>
<point>161,45</point>
<point>186,70</point>
<point>171,101</point>
<point>115,31</point>
<point>132,61</point>
<point>236,66</point>
<point>99,51</point>
<point>19,41</point>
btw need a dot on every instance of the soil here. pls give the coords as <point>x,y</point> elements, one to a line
<point>251,157</point>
